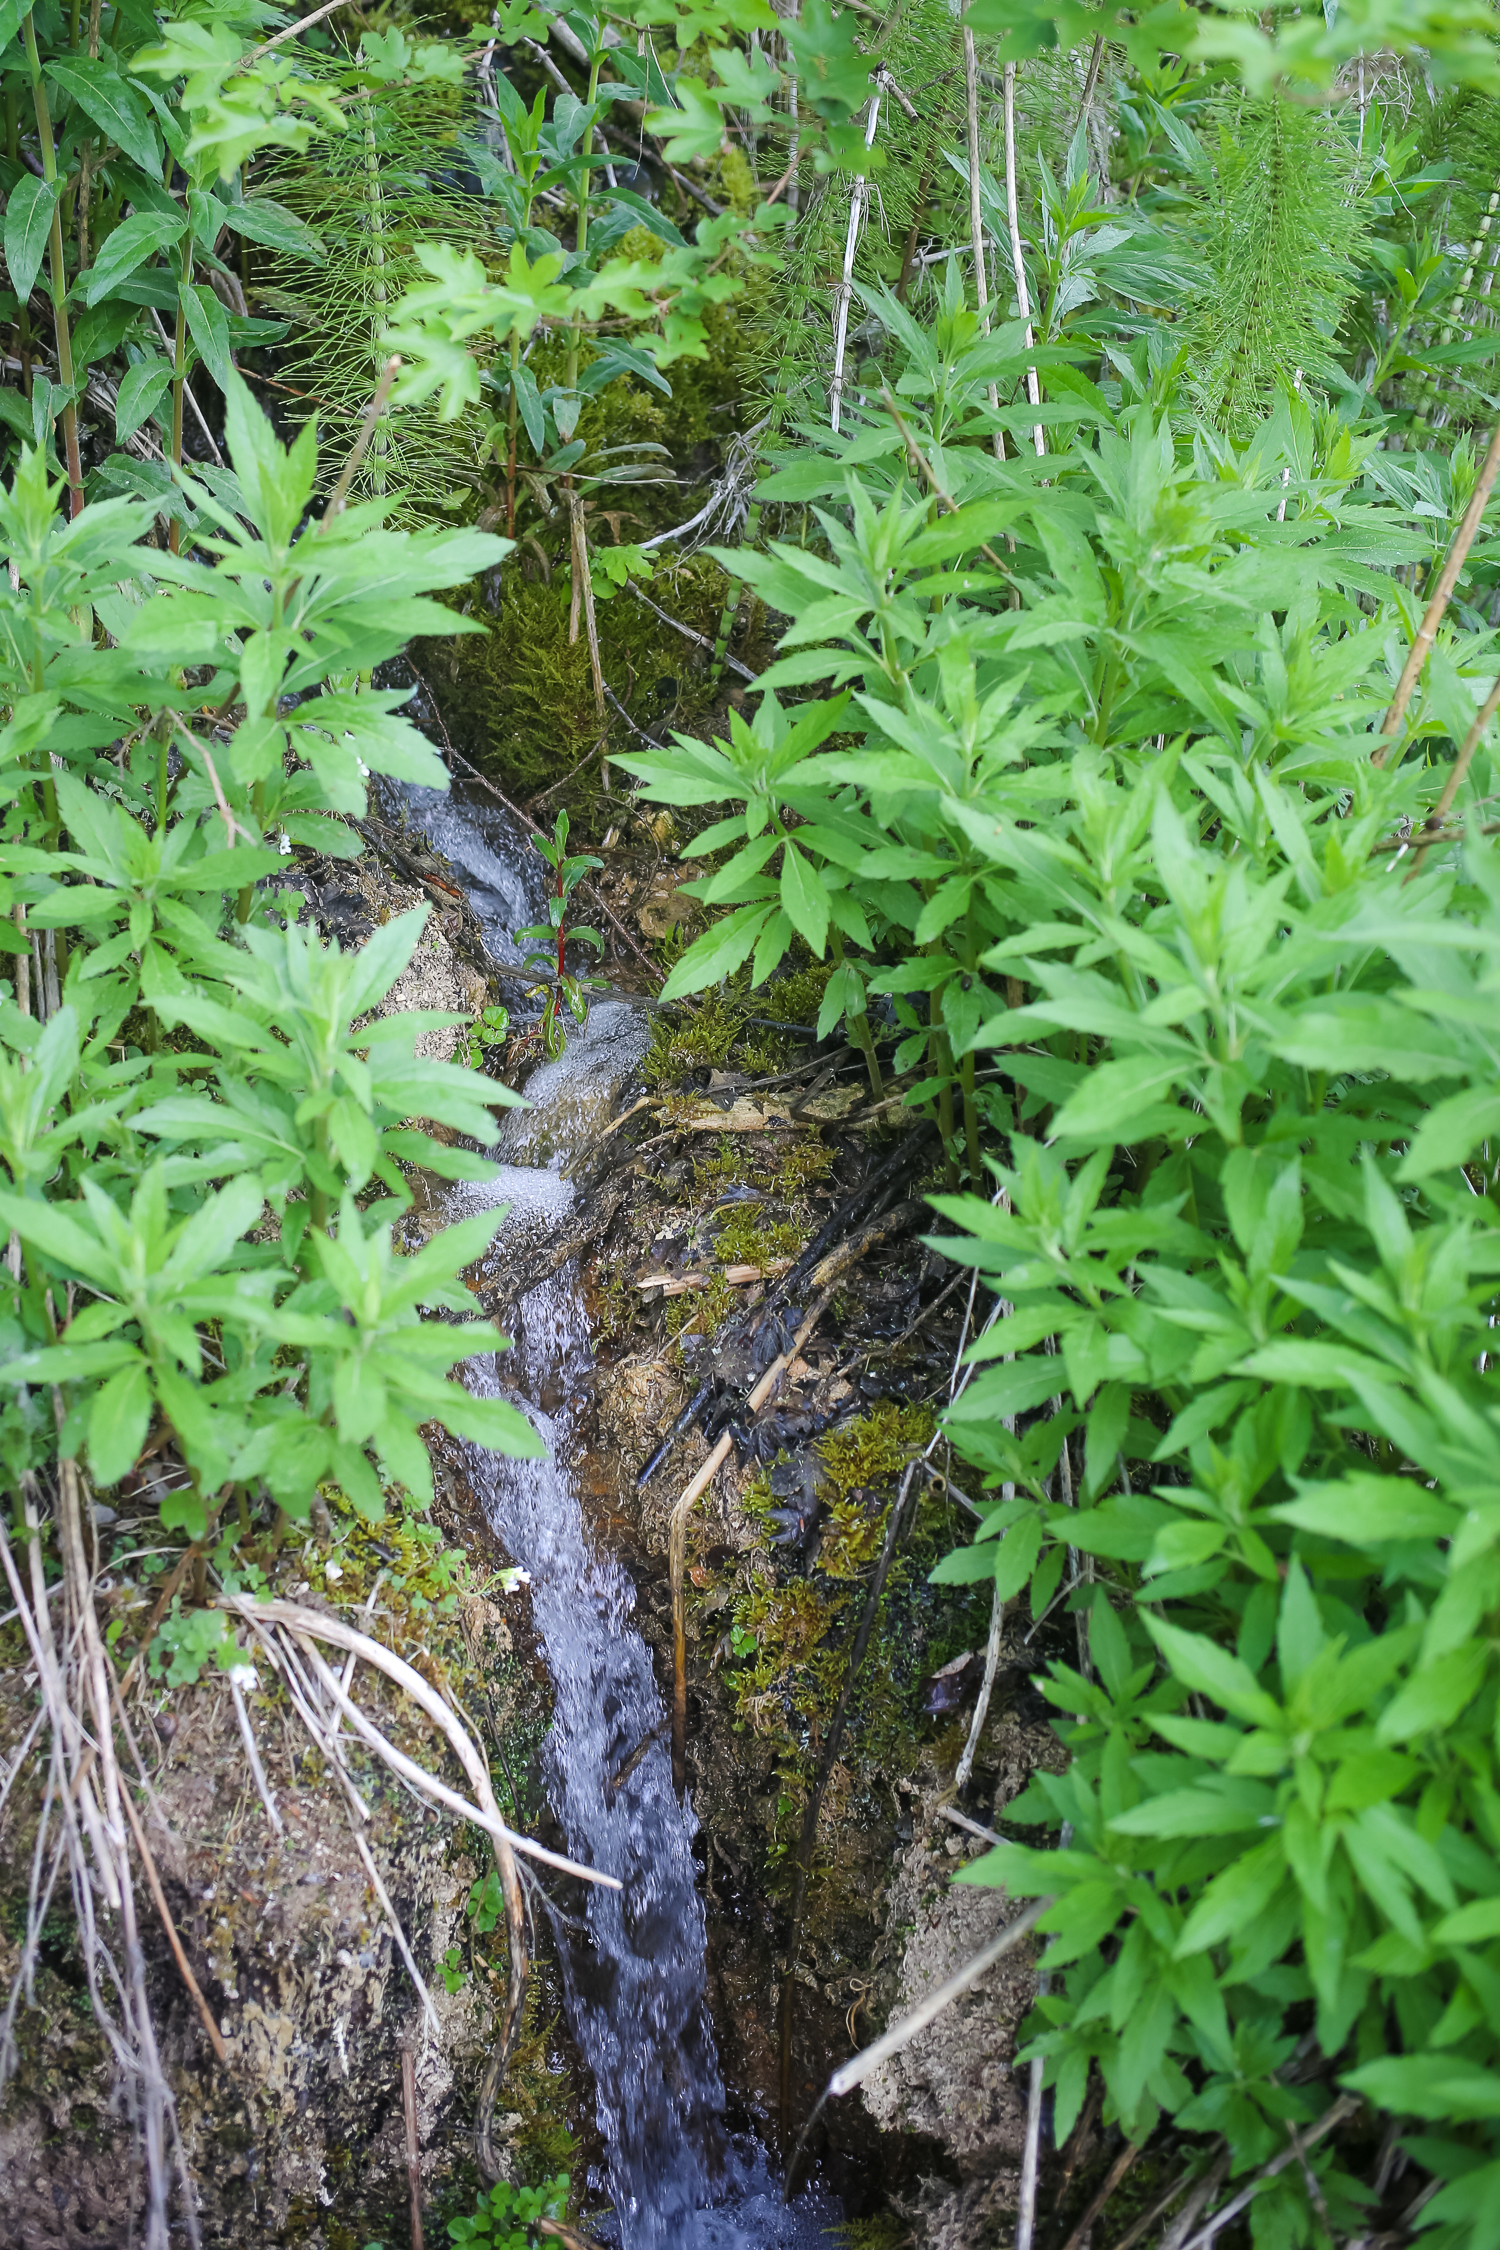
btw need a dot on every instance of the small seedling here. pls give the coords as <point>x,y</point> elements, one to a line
<point>488,1029</point>
<point>549,940</point>
<point>505,2217</point>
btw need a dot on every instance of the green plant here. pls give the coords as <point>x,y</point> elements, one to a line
<point>505,2217</point>
<point>272,1356</point>
<point>489,1029</point>
<point>1088,744</point>
<point>550,939</point>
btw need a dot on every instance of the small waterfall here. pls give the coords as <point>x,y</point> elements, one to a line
<point>636,1986</point>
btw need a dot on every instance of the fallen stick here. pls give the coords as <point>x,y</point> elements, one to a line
<point>854,2072</point>
<point>1442,594</point>
<point>901,1160</point>
<point>1112,2179</point>
<point>153,1884</point>
<point>859,2067</point>
<point>678,1285</point>
<point>413,2145</point>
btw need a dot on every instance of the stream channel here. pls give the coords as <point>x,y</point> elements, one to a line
<point>636,1981</point>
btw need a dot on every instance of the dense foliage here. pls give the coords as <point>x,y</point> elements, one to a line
<point>1069,763</point>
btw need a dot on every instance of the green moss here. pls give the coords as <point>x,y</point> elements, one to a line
<point>881,2232</point>
<point>792,1628</point>
<point>746,1238</point>
<point>684,1043</point>
<point>798,997</point>
<point>876,1447</point>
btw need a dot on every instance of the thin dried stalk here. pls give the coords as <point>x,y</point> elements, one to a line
<point>184,1966</point>
<point>982,1707</point>
<point>367,429</point>
<point>309,1627</point>
<point>156,2096</point>
<point>1031,2157</point>
<point>859,2067</point>
<point>1113,2177</point>
<point>413,2145</point>
<point>405,1951</point>
<point>845,290</point>
<point>1442,594</point>
<point>1433,825</point>
<point>976,216</point>
<point>247,1736</point>
<point>1018,263</point>
<point>1335,2114</point>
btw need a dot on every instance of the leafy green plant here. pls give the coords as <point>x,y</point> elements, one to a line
<point>505,2216</point>
<point>550,940</point>
<point>193,1304</point>
<point>1088,742</point>
<point>489,1029</point>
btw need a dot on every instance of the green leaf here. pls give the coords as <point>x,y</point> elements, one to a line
<point>1451,1131</point>
<point>1234,1900</point>
<point>1434,1696</point>
<point>804,899</point>
<point>118,1421</point>
<point>1441,2087</point>
<point>1362,1508</point>
<point>28,221</point>
<point>120,112</point>
<point>142,389</point>
<point>259,219</point>
<point>208,324</point>
<point>1200,1664</point>
<point>1474,1924</point>
<point>718,953</point>
<point>130,245</point>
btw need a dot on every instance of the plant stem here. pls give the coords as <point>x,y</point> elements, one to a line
<point>576,330</point>
<point>179,369</point>
<point>57,274</point>
<point>1463,540</point>
<point>1023,299</point>
<point>375,203</point>
<point>971,1119</point>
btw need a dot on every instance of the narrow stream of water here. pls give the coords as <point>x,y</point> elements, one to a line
<point>636,1983</point>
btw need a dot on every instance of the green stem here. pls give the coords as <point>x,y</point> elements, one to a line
<point>179,367</point>
<point>510,446</point>
<point>971,1119</point>
<point>375,205</point>
<point>57,274</point>
<point>13,151</point>
<point>575,332</point>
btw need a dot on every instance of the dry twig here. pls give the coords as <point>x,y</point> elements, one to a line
<point>1442,594</point>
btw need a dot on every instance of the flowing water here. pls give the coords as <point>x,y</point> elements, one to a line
<point>636,1982</point>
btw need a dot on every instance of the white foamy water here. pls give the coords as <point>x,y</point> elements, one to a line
<point>635,1981</point>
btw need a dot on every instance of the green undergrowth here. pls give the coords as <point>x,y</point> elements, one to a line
<point>519,700</point>
<point>735,1024</point>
